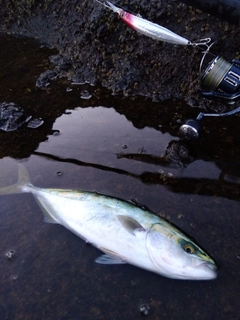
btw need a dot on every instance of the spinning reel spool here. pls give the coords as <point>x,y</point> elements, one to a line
<point>220,80</point>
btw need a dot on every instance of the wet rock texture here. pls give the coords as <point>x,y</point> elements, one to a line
<point>95,46</point>
<point>12,117</point>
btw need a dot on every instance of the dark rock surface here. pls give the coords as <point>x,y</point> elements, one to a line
<point>226,9</point>
<point>13,116</point>
<point>95,46</point>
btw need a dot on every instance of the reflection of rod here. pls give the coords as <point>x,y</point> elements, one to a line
<point>209,187</point>
<point>82,163</point>
<point>226,9</point>
<point>146,158</point>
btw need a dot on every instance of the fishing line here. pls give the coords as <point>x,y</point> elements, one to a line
<point>123,8</point>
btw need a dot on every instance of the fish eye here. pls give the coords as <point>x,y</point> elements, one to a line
<point>188,248</point>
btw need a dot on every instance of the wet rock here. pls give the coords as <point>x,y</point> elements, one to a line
<point>35,123</point>
<point>10,254</point>
<point>144,310</point>
<point>13,116</point>
<point>45,78</point>
<point>63,63</point>
<point>85,95</point>
<point>178,154</point>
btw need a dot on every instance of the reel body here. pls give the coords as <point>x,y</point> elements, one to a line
<point>221,80</point>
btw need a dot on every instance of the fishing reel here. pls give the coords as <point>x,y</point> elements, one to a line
<point>220,80</point>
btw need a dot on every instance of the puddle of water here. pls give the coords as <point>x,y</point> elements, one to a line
<point>101,133</point>
<point>127,148</point>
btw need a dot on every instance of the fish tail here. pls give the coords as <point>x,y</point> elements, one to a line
<point>23,181</point>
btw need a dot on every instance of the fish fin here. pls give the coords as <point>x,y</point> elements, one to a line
<point>47,217</point>
<point>109,259</point>
<point>23,180</point>
<point>130,224</point>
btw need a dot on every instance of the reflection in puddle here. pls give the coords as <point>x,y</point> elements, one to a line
<point>100,132</point>
<point>102,139</point>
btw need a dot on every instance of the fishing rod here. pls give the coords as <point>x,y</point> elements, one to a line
<point>220,80</point>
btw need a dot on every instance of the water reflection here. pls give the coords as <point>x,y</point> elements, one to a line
<point>134,130</point>
<point>101,133</point>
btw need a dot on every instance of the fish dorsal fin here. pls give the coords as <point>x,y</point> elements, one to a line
<point>130,224</point>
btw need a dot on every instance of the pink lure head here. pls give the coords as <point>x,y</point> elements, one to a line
<point>125,16</point>
<point>128,18</point>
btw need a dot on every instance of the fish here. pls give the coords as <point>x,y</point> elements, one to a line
<point>122,230</point>
<point>152,30</point>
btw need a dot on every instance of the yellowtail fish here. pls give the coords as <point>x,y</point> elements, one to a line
<point>124,232</point>
<point>151,29</point>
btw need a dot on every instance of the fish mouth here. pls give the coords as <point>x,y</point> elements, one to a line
<point>208,265</point>
<point>206,269</point>
<point>210,269</point>
<point>204,263</point>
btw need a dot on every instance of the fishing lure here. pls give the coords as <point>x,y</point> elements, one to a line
<point>151,29</point>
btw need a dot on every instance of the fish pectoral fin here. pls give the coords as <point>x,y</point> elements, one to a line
<point>110,257</point>
<point>106,259</point>
<point>130,224</point>
<point>49,219</point>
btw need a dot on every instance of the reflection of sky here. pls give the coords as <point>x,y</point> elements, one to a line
<point>202,169</point>
<point>99,134</point>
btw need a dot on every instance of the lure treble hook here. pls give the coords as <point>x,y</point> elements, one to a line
<point>205,52</point>
<point>205,42</point>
